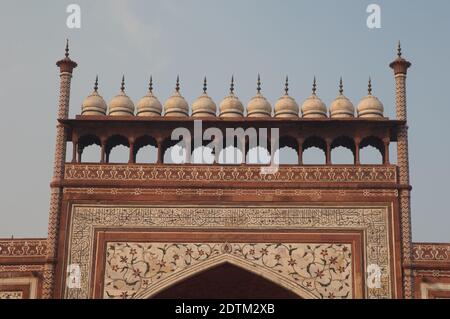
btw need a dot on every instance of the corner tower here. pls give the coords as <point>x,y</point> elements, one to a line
<point>66,66</point>
<point>400,67</point>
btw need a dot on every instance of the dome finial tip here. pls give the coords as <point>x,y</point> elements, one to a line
<point>341,86</point>
<point>67,48</point>
<point>205,87</point>
<point>286,86</point>
<point>96,84</point>
<point>314,87</point>
<point>258,84</point>
<point>177,86</point>
<point>122,85</point>
<point>232,85</point>
<point>150,84</point>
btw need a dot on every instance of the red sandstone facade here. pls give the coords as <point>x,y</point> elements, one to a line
<point>165,230</point>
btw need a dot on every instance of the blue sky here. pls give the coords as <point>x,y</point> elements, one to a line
<point>195,38</point>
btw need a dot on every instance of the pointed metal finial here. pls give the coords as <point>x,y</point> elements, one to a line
<point>314,87</point>
<point>232,85</point>
<point>258,84</point>
<point>122,85</point>
<point>177,86</point>
<point>399,49</point>
<point>67,48</point>
<point>369,86</point>
<point>96,84</point>
<point>204,85</point>
<point>286,86</point>
<point>341,87</point>
<point>150,85</point>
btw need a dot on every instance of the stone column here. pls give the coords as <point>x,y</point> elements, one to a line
<point>66,67</point>
<point>103,151</point>
<point>328,152</point>
<point>300,151</point>
<point>357,160</point>
<point>131,158</point>
<point>400,67</point>
<point>386,142</point>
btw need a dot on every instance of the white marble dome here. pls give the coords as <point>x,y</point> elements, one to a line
<point>121,104</point>
<point>149,105</point>
<point>94,104</point>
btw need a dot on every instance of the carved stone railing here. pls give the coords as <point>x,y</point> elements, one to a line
<point>228,174</point>
<point>431,252</point>
<point>23,247</point>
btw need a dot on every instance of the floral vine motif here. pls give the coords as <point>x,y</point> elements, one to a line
<point>325,270</point>
<point>223,173</point>
<point>434,252</point>
<point>33,248</point>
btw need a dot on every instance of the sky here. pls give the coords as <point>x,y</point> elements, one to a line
<point>194,38</point>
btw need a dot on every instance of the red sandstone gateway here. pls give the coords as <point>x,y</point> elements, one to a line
<point>164,230</point>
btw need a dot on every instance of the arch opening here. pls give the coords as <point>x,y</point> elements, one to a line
<point>260,271</point>
<point>145,150</point>
<point>89,149</point>
<point>371,150</point>
<point>314,150</point>
<point>287,152</point>
<point>225,281</point>
<point>117,149</point>
<point>343,150</point>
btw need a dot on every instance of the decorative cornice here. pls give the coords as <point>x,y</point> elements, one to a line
<point>313,194</point>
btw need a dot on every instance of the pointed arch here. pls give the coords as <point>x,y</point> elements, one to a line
<point>210,263</point>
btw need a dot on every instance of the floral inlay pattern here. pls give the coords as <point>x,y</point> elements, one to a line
<point>325,270</point>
